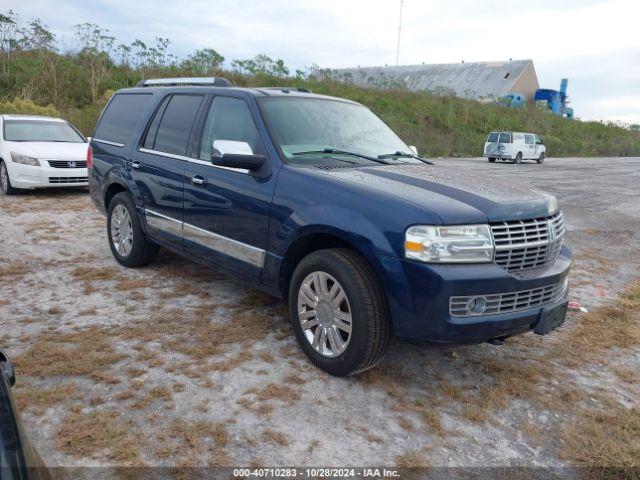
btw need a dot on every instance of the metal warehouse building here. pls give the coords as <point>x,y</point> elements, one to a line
<point>480,80</point>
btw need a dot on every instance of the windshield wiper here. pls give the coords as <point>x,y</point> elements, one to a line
<point>337,151</point>
<point>400,154</point>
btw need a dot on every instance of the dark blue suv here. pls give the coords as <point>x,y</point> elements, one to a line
<point>315,200</point>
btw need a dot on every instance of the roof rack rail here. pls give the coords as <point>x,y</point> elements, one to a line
<point>183,81</point>
<point>287,89</point>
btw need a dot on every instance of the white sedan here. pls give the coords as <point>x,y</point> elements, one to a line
<point>40,152</point>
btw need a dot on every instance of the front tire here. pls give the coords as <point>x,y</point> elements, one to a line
<point>5,181</point>
<point>128,242</point>
<point>541,158</point>
<point>518,158</point>
<point>339,312</point>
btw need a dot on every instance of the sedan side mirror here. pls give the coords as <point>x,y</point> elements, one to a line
<point>234,154</point>
<point>7,368</point>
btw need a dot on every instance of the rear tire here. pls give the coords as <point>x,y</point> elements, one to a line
<point>5,181</point>
<point>541,158</point>
<point>128,242</point>
<point>492,160</point>
<point>518,158</point>
<point>345,275</point>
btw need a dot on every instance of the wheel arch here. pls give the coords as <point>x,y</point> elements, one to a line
<point>111,191</point>
<point>312,242</point>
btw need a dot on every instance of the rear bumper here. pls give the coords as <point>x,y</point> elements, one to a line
<point>500,156</point>
<point>419,298</point>
<point>29,177</point>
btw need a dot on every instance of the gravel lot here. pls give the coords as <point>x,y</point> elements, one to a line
<point>177,365</point>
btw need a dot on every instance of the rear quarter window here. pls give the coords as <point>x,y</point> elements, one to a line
<point>121,117</point>
<point>174,128</point>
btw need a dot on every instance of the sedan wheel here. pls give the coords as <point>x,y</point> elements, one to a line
<point>324,314</point>
<point>121,230</point>
<point>4,178</point>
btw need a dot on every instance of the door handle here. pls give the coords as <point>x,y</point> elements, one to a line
<point>136,164</point>
<point>197,180</point>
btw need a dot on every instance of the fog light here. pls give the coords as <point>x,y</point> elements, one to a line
<point>477,305</point>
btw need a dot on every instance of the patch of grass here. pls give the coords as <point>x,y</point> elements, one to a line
<point>275,437</point>
<point>603,441</point>
<point>80,353</point>
<point>95,273</point>
<point>196,437</point>
<point>89,435</point>
<point>14,269</point>
<point>41,397</point>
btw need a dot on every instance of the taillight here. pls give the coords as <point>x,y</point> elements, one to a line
<point>89,157</point>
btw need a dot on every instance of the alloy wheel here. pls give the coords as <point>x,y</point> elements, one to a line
<point>121,230</point>
<point>324,314</point>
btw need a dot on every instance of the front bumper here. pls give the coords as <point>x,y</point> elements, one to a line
<point>29,177</point>
<point>419,298</point>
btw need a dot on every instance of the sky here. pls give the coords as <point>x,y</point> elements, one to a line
<point>593,43</point>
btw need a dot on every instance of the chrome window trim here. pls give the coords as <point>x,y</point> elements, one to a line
<point>214,241</point>
<point>191,160</point>
<point>107,142</point>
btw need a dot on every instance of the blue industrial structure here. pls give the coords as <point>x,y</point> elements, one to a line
<point>557,100</point>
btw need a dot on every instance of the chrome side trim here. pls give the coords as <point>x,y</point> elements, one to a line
<point>164,223</point>
<point>107,142</point>
<point>228,246</point>
<point>191,160</point>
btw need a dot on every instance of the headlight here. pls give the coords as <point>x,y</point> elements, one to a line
<point>449,244</point>
<point>24,159</point>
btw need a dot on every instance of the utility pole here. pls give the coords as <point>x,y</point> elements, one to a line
<point>399,30</point>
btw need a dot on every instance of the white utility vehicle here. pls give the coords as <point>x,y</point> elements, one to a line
<point>40,152</point>
<point>514,146</point>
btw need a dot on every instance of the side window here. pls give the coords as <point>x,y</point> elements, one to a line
<point>121,116</point>
<point>150,139</point>
<point>528,139</point>
<point>176,123</point>
<point>505,137</point>
<point>229,119</point>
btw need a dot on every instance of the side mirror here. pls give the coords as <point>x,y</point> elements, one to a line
<point>234,154</point>
<point>7,367</point>
<point>413,149</point>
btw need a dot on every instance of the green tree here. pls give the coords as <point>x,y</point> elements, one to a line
<point>96,46</point>
<point>203,62</point>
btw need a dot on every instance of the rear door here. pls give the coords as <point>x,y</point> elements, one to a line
<point>158,165</point>
<point>227,210</point>
<point>491,145</point>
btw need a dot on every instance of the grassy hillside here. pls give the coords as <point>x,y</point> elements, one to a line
<point>449,126</point>
<point>36,78</point>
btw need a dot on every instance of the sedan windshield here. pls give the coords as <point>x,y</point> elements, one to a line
<point>40,131</point>
<point>305,128</point>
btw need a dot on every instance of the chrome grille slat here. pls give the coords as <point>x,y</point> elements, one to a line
<point>527,244</point>
<point>68,179</point>
<point>510,301</point>
<point>66,163</point>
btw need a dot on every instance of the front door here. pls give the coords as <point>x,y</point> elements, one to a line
<point>226,211</point>
<point>158,166</point>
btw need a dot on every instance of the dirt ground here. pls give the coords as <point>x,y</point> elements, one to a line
<point>177,365</point>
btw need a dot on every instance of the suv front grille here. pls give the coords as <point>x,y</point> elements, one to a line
<point>68,179</point>
<point>526,244</point>
<point>507,302</point>
<point>67,163</point>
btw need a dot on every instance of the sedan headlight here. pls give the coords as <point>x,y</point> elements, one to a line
<point>449,244</point>
<point>24,159</point>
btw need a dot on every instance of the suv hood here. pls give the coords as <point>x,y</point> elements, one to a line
<point>51,150</point>
<point>454,195</point>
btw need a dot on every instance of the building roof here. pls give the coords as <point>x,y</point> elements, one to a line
<point>471,80</point>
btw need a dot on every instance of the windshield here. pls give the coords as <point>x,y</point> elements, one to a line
<point>311,125</point>
<point>40,131</point>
